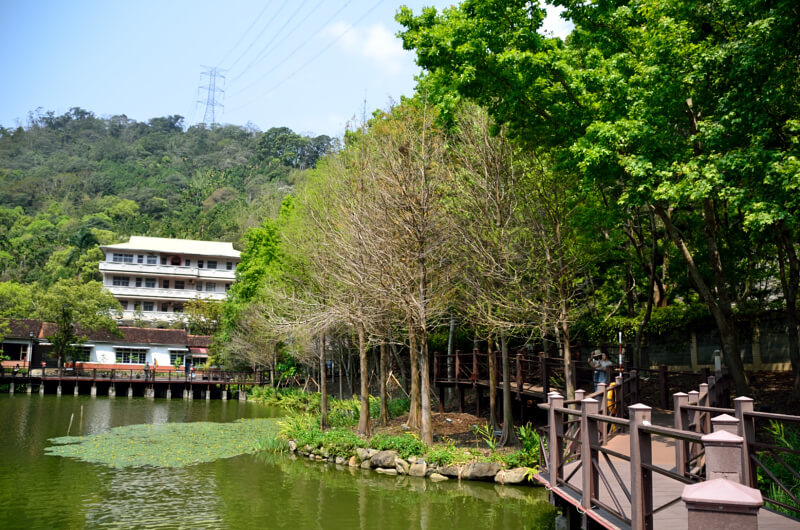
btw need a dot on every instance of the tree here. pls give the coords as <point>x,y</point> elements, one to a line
<point>77,309</point>
<point>685,108</point>
<point>203,316</point>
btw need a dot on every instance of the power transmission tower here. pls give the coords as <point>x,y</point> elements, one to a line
<point>212,89</point>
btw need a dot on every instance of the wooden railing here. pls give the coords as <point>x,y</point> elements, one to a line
<point>577,432</point>
<point>149,376</point>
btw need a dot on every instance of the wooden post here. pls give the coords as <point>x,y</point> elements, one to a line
<point>747,430</point>
<point>458,365</point>
<point>703,401</point>
<point>475,376</point>
<point>591,480</point>
<point>460,393</point>
<point>723,456</point>
<point>620,396</point>
<point>720,504</point>
<point>520,379</point>
<point>681,421</point>
<point>441,398</point>
<point>603,389</point>
<point>477,400</point>
<point>555,425</point>
<point>545,373</point>
<point>634,385</point>
<point>641,478</point>
<point>663,386</point>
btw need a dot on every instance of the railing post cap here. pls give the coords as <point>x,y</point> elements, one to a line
<point>680,394</point>
<point>693,392</point>
<point>743,398</point>
<point>720,491</point>
<point>721,438</point>
<point>639,406</point>
<point>589,400</point>
<point>725,418</point>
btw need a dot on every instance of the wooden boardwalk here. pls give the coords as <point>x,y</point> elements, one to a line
<point>669,510</point>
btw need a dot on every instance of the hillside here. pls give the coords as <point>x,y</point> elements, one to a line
<point>71,182</point>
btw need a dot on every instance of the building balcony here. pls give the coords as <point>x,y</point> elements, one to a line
<point>177,271</point>
<point>167,316</point>
<point>149,293</point>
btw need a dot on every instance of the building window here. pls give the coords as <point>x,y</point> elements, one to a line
<point>124,304</point>
<point>150,282</point>
<point>176,358</point>
<point>227,287</point>
<point>229,265</point>
<point>137,306</point>
<point>138,282</point>
<point>199,286</point>
<point>177,308</point>
<point>139,259</point>
<point>121,281</point>
<point>82,354</point>
<point>122,258</point>
<point>148,306</point>
<point>179,284</point>
<point>165,284</point>
<point>131,355</point>
<point>187,262</point>
<point>199,264</point>
<point>152,260</point>
<point>163,260</point>
<point>164,308</point>
<point>175,260</point>
<point>212,264</point>
<point>211,287</point>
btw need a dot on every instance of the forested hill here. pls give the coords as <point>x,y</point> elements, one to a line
<point>70,182</point>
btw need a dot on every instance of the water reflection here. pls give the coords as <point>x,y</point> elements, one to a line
<point>40,491</point>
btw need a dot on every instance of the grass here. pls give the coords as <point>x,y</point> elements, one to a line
<point>167,445</point>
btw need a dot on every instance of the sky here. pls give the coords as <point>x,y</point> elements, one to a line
<point>310,65</point>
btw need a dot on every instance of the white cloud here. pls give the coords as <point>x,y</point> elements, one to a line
<point>375,43</point>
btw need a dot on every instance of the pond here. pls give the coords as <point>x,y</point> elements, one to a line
<point>39,490</point>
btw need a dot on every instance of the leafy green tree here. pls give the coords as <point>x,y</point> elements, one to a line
<point>77,309</point>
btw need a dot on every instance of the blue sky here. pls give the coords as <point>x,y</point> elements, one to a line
<point>304,64</point>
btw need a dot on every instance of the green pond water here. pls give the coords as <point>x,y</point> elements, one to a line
<point>42,490</point>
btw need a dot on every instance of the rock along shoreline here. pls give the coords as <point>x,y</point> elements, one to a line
<point>389,463</point>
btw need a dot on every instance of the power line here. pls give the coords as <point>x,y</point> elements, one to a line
<point>212,72</point>
<point>314,58</point>
<point>265,48</point>
<point>291,54</point>
<point>258,36</point>
<point>252,25</point>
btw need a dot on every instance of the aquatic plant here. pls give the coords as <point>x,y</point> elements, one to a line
<point>166,445</point>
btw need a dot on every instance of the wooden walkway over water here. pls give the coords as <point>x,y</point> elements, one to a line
<point>630,472</point>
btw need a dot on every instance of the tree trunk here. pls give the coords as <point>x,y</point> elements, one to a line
<point>323,385</point>
<point>384,415</point>
<point>363,414</point>
<point>789,284</point>
<point>719,306</point>
<point>492,386</point>
<point>569,379</point>
<point>509,436</point>
<point>450,358</point>
<point>638,358</point>
<point>426,426</point>
<point>415,410</point>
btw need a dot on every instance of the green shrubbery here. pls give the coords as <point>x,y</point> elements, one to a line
<point>788,438</point>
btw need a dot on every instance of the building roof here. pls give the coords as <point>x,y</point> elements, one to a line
<point>177,246</point>
<point>21,328</point>
<point>130,335</point>
<point>199,341</point>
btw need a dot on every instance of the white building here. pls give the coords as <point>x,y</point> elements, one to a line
<point>153,277</point>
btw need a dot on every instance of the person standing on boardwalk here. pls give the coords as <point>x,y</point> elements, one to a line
<point>601,364</point>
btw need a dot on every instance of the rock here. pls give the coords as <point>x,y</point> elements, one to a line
<point>366,464</point>
<point>436,477</point>
<point>308,448</point>
<point>371,453</point>
<point>292,446</point>
<point>339,460</point>
<point>418,469</point>
<point>401,466</point>
<point>384,459</point>
<point>386,471</point>
<point>332,459</point>
<point>449,471</point>
<point>325,452</point>
<point>353,462</point>
<point>480,471</point>
<point>511,476</point>
<point>363,454</point>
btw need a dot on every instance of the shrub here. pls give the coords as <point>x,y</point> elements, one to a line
<point>406,445</point>
<point>342,442</point>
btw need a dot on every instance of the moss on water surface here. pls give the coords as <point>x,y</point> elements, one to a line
<point>165,445</point>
